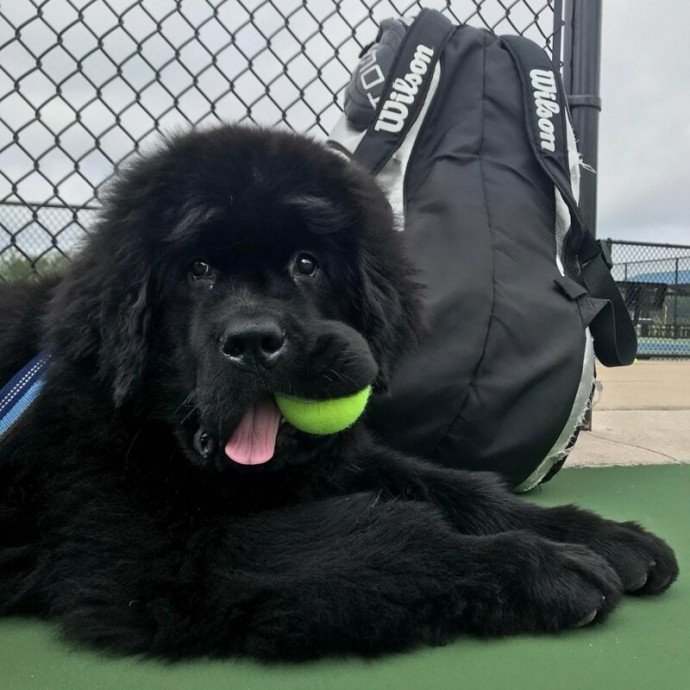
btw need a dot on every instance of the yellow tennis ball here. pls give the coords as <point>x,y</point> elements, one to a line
<point>322,417</point>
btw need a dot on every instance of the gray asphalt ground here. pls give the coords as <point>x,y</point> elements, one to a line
<point>641,417</point>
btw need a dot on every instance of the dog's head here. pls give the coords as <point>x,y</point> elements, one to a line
<point>231,264</point>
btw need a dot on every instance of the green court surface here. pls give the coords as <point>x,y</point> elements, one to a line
<point>644,645</point>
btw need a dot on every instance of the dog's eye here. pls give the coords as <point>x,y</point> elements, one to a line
<point>306,264</point>
<point>199,269</point>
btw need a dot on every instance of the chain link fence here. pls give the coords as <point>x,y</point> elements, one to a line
<point>655,282</point>
<point>84,84</point>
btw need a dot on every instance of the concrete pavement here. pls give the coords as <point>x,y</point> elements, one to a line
<point>641,417</point>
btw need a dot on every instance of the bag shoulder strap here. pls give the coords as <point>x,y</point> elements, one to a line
<point>615,340</point>
<point>406,87</point>
<point>546,113</point>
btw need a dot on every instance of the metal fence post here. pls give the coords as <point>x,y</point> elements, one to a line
<point>581,70</point>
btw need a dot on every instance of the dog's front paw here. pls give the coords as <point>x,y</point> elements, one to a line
<point>536,585</point>
<point>645,563</point>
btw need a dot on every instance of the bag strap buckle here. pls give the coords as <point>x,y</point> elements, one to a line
<point>605,248</point>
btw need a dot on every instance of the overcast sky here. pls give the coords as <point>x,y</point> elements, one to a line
<point>141,77</point>
<point>644,144</point>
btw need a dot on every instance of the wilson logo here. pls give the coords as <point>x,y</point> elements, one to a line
<point>546,103</point>
<point>405,89</point>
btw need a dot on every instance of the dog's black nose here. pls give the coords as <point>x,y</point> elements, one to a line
<point>253,341</point>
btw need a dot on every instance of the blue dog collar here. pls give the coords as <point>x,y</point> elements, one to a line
<point>19,393</point>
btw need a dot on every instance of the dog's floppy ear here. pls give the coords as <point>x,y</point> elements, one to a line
<point>389,311</point>
<point>124,325</point>
<point>100,310</point>
<point>389,307</point>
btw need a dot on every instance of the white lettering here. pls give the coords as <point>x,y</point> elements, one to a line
<point>546,105</point>
<point>392,117</point>
<point>546,108</point>
<point>543,80</point>
<point>418,66</point>
<point>405,89</point>
<point>546,126</point>
<point>424,52</point>
<point>402,97</point>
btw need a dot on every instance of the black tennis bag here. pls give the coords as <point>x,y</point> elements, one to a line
<point>469,134</point>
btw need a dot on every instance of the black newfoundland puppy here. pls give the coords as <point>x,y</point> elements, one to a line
<point>153,501</point>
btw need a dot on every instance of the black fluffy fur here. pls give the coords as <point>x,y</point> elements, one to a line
<point>113,524</point>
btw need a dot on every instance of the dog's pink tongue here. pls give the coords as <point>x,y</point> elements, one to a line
<point>254,440</point>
